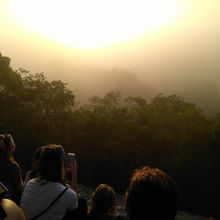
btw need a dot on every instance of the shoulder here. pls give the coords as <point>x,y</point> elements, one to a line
<point>71,198</point>
<point>31,186</point>
<point>13,170</point>
<point>13,166</point>
<point>32,182</point>
<point>12,209</point>
<point>58,187</point>
<point>71,194</point>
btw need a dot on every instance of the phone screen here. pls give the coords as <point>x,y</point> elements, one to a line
<point>69,159</point>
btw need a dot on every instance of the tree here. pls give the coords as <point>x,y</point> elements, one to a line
<point>32,107</point>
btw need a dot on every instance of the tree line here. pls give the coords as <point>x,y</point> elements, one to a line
<point>112,135</point>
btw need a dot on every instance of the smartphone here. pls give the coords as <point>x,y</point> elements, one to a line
<point>70,157</point>
<point>3,190</point>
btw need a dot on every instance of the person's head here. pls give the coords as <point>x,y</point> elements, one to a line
<point>51,163</point>
<point>103,200</point>
<point>152,194</point>
<point>9,143</point>
<point>7,146</point>
<point>12,210</point>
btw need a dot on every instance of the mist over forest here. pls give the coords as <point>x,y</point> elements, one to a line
<point>193,84</point>
<point>164,131</point>
<point>182,60</point>
<point>197,82</point>
<point>151,99</point>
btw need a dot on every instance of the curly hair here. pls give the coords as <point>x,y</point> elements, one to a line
<point>152,194</point>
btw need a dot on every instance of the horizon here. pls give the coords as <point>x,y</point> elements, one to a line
<point>175,56</point>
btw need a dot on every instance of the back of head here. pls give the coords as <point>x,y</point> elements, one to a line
<point>103,200</point>
<point>7,147</point>
<point>13,211</point>
<point>3,150</point>
<point>50,166</point>
<point>152,194</point>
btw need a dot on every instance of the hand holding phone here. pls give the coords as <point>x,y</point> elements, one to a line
<point>70,160</point>
<point>71,170</point>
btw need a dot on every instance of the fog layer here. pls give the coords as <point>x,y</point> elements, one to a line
<point>181,58</point>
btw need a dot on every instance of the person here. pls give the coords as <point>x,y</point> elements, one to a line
<point>46,196</point>
<point>103,204</point>
<point>10,173</point>
<point>71,181</point>
<point>152,194</point>
<point>71,171</point>
<point>9,210</point>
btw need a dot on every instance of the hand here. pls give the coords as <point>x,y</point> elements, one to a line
<point>72,168</point>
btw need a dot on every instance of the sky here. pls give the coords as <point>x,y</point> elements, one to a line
<point>170,45</point>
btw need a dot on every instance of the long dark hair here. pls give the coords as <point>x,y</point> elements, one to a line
<point>4,145</point>
<point>35,164</point>
<point>10,170</point>
<point>50,167</point>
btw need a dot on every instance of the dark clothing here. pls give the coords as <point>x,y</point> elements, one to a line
<point>10,176</point>
<point>80,213</point>
<point>104,217</point>
<point>2,213</point>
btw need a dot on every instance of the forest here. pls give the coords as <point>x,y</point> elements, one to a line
<point>112,135</point>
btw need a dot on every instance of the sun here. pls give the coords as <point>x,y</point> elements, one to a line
<point>93,23</point>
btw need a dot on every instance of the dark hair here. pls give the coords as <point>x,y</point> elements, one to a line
<point>35,164</point>
<point>10,173</point>
<point>4,154</point>
<point>7,140</point>
<point>103,200</point>
<point>152,194</point>
<point>50,163</point>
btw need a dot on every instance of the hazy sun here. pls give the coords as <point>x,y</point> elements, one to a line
<point>94,23</point>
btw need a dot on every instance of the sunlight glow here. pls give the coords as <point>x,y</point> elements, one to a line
<point>94,23</point>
